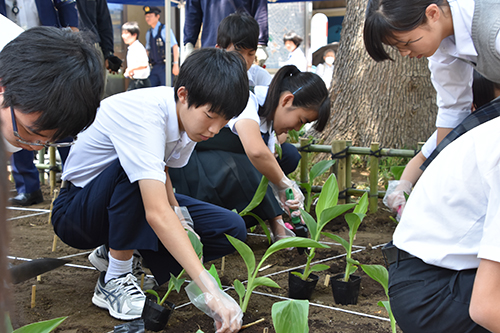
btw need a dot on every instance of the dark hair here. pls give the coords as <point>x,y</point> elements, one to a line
<point>132,27</point>
<point>239,29</point>
<point>483,90</point>
<point>385,17</point>
<point>217,78</point>
<point>296,39</point>
<point>309,92</point>
<point>57,73</point>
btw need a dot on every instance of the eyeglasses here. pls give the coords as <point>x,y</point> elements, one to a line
<point>38,142</point>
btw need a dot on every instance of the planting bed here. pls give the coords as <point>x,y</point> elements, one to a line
<point>67,291</point>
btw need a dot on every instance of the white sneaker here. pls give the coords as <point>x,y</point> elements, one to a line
<point>122,296</point>
<point>99,259</point>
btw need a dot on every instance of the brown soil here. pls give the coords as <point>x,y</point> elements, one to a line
<point>67,291</point>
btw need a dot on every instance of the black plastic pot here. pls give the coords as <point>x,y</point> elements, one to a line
<point>300,289</point>
<point>345,292</point>
<point>156,316</point>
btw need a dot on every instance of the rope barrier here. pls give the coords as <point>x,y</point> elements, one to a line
<point>340,155</point>
<point>376,153</point>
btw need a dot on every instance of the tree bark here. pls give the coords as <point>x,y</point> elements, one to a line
<point>392,102</point>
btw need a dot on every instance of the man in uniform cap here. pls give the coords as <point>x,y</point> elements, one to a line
<point>155,45</point>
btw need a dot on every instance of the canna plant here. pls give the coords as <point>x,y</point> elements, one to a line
<point>176,282</point>
<point>39,327</point>
<point>353,220</point>
<point>380,274</point>
<point>317,170</point>
<point>249,259</point>
<point>326,210</point>
<point>291,316</point>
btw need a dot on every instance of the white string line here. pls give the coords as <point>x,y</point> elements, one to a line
<point>23,216</point>
<point>29,209</point>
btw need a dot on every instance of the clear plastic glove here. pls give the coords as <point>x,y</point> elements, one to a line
<point>261,54</point>
<point>187,222</point>
<point>279,230</point>
<point>206,295</point>
<point>279,191</point>
<point>394,196</point>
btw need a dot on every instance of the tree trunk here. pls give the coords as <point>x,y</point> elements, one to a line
<point>392,103</point>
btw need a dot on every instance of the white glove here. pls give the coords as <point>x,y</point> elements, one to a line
<point>188,48</point>
<point>261,54</point>
<point>394,196</point>
<point>206,295</point>
<point>187,222</point>
<point>279,191</point>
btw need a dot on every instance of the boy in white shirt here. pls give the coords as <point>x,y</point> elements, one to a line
<point>117,191</point>
<point>137,58</point>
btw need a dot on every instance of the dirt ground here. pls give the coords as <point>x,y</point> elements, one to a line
<point>67,291</point>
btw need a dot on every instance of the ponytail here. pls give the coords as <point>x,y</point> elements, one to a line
<point>309,92</point>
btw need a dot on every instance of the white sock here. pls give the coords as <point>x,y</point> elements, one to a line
<point>117,268</point>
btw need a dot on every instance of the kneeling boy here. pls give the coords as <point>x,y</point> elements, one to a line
<point>117,191</point>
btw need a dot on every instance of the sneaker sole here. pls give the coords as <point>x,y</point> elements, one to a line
<point>104,305</point>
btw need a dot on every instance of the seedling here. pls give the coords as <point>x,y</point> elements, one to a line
<point>353,220</point>
<point>317,170</point>
<point>249,259</point>
<point>176,282</point>
<point>379,273</point>
<point>39,327</point>
<point>327,209</point>
<point>291,316</point>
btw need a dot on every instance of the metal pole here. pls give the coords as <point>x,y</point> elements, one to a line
<point>168,46</point>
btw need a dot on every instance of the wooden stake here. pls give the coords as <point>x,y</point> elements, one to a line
<point>56,193</point>
<point>33,295</point>
<point>254,323</point>
<point>142,281</point>
<point>222,266</point>
<point>39,278</point>
<point>265,330</point>
<point>327,280</point>
<point>54,243</point>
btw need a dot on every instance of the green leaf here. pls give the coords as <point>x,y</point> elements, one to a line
<point>292,242</point>
<point>176,282</point>
<point>294,135</point>
<point>263,226</point>
<point>278,150</point>
<point>265,281</point>
<point>320,168</point>
<point>351,269</point>
<point>196,243</point>
<point>8,323</point>
<point>257,197</point>
<point>387,306</point>
<point>338,239</point>
<point>240,289</point>
<point>245,252</point>
<point>397,171</point>
<point>199,331</point>
<point>306,186</point>
<point>329,195</point>
<point>153,292</point>
<point>362,206</point>
<point>299,274</point>
<point>41,326</point>
<point>310,223</point>
<point>319,268</point>
<point>291,316</point>
<point>215,275</point>
<point>379,273</point>
<point>353,220</point>
<point>330,213</point>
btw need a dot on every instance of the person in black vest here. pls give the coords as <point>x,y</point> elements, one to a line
<point>155,45</point>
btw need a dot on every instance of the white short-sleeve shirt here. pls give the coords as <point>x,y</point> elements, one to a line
<point>137,57</point>
<point>258,76</point>
<point>140,128</point>
<point>251,111</point>
<point>452,217</point>
<point>450,74</point>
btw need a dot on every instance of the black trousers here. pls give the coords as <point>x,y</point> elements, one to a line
<point>430,299</point>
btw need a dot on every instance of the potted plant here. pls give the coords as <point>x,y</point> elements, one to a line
<point>345,286</point>
<point>249,259</point>
<point>302,282</point>
<point>291,316</point>
<point>156,311</point>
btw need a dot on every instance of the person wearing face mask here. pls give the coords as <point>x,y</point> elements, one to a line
<point>325,70</point>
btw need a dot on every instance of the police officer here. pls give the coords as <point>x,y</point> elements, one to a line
<point>155,45</point>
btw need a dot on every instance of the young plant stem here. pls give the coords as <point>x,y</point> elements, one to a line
<point>170,288</point>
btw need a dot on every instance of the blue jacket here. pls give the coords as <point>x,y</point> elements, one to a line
<point>56,13</point>
<point>212,12</point>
